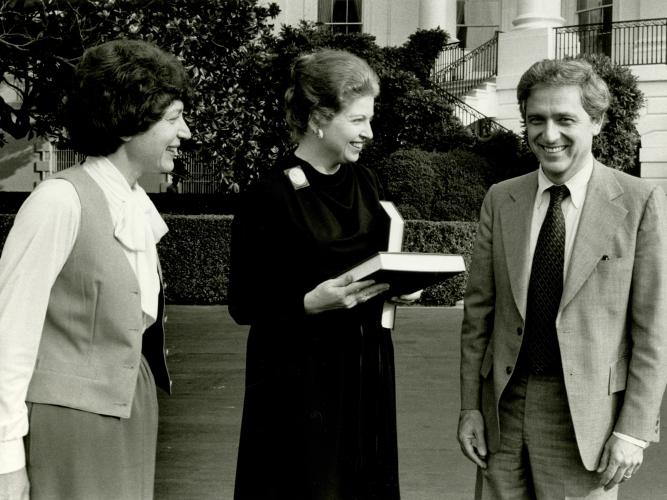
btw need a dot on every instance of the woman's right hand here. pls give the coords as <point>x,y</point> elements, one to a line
<point>15,485</point>
<point>341,293</point>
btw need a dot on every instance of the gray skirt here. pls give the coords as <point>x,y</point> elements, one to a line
<point>78,455</point>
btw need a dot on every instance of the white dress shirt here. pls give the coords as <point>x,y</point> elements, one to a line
<point>44,232</point>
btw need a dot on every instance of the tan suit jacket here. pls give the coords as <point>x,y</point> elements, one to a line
<point>612,325</point>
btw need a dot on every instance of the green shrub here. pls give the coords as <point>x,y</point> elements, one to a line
<point>410,182</point>
<point>6,222</point>
<point>195,203</point>
<point>435,186</point>
<point>11,201</point>
<point>448,237</point>
<point>617,146</point>
<point>426,121</point>
<point>461,185</point>
<point>195,256</point>
<point>419,52</point>
<point>507,155</point>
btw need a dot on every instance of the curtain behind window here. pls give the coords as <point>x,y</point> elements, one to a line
<point>357,7</point>
<point>340,11</point>
<point>324,9</point>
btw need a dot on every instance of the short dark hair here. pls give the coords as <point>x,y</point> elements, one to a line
<point>120,89</point>
<point>324,82</point>
<point>595,97</point>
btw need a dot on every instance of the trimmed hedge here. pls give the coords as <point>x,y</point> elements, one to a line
<point>435,186</point>
<point>448,237</point>
<point>195,256</point>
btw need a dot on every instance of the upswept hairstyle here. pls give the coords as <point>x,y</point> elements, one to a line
<point>323,83</point>
<point>120,89</point>
<point>595,97</point>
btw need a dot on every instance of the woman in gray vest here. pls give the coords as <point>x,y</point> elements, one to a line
<point>81,304</point>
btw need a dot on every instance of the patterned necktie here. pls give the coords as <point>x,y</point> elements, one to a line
<point>545,288</point>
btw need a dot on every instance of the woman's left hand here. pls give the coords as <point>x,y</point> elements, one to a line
<point>407,299</point>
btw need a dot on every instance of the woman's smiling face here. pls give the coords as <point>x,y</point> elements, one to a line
<point>348,131</point>
<point>155,149</point>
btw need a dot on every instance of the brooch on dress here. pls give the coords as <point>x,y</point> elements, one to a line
<point>297,177</point>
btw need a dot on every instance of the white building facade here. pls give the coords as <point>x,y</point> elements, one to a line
<point>632,32</point>
<point>527,33</point>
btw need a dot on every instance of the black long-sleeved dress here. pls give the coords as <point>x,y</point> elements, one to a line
<point>319,417</point>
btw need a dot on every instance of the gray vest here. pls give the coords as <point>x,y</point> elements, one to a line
<point>91,344</point>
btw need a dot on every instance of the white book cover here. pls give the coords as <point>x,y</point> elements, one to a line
<point>396,226</point>
<point>395,244</point>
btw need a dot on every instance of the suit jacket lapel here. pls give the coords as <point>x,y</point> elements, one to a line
<point>516,217</point>
<point>601,216</point>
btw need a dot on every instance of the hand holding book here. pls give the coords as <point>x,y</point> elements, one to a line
<point>342,292</point>
<point>407,272</point>
<point>406,299</point>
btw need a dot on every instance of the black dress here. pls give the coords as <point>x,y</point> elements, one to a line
<point>319,417</point>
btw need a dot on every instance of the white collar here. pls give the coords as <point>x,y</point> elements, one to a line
<point>576,185</point>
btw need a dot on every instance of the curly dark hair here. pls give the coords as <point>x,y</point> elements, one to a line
<point>120,89</point>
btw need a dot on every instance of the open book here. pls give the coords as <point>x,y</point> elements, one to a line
<point>407,272</point>
<point>394,244</point>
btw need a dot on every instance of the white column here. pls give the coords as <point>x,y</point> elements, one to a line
<point>532,39</point>
<point>438,13</point>
<point>538,14</point>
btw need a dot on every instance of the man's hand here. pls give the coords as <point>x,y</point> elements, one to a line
<point>15,485</point>
<point>471,436</point>
<point>620,460</point>
<point>407,299</point>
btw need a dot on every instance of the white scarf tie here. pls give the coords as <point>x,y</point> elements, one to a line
<point>138,226</point>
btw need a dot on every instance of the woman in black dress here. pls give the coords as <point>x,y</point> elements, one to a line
<point>319,417</point>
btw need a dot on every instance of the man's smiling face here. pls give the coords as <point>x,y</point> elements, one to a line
<point>560,131</point>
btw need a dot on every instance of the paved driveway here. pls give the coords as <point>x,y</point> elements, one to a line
<point>199,423</point>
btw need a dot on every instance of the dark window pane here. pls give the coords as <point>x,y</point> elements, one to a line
<point>339,11</point>
<point>353,16</point>
<point>343,12</point>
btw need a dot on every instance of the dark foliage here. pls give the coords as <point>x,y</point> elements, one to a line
<point>617,146</point>
<point>445,186</point>
<point>507,155</point>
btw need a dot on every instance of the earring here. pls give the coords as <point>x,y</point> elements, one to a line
<point>320,133</point>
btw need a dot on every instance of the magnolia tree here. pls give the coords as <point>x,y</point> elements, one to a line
<point>224,45</point>
<point>239,71</point>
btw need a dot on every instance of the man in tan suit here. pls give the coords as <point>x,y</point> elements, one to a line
<point>564,337</point>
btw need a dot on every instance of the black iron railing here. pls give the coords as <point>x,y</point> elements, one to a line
<point>625,42</point>
<point>448,56</point>
<point>65,158</point>
<point>197,176</point>
<point>194,175</point>
<point>471,70</point>
<point>480,124</point>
